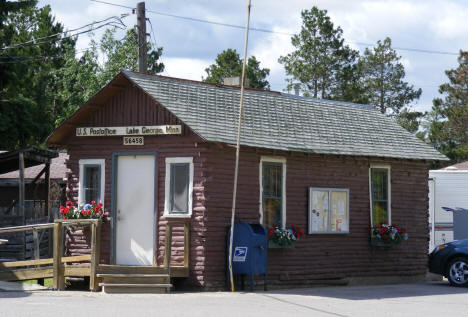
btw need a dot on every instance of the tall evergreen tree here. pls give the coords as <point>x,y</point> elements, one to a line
<point>322,64</point>
<point>229,64</point>
<point>448,120</point>
<point>383,79</point>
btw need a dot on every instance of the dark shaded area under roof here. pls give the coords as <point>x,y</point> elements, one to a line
<point>32,156</point>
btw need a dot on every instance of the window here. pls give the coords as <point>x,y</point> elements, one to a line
<point>179,180</point>
<point>380,195</point>
<point>328,210</point>
<point>272,192</point>
<point>91,181</point>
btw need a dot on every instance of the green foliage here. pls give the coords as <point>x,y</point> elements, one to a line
<point>81,78</point>
<point>321,65</point>
<point>26,73</point>
<point>324,67</point>
<point>229,64</point>
<point>447,127</point>
<point>383,79</point>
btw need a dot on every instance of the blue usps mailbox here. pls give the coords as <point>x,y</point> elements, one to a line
<point>249,251</point>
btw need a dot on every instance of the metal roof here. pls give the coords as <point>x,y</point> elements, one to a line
<point>284,122</point>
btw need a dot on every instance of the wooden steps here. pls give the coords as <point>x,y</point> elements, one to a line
<point>134,279</point>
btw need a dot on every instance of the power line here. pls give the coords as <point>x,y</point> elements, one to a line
<point>112,21</point>
<point>417,50</point>
<point>114,4</point>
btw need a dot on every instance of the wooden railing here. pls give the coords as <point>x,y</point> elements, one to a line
<point>168,244</point>
<point>56,265</point>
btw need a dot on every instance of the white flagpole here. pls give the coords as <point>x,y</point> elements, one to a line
<point>239,125</point>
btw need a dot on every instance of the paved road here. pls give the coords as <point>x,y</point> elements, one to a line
<point>431,299</point>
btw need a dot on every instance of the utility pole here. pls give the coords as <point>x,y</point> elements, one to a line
<point>141,25</point>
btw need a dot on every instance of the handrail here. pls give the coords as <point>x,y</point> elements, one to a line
<point>57,269</point>
<point>27,227</point>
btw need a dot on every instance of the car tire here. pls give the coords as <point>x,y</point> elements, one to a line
<point>457,272</point>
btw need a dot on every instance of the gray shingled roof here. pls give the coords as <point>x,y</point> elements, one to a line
<point>284,122</point>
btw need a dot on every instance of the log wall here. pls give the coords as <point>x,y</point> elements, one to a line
<point>319,257</point>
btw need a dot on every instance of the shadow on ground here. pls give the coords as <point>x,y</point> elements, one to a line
<point>376,291</point>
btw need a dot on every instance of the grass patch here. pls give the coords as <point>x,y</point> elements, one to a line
<point>48,282</point>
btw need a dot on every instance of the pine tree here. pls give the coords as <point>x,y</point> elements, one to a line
<point>229,64</point>
<point>322,64</point>
<point>448,120</point>
<point>383,79</point>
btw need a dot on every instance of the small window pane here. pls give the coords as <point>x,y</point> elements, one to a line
<point>379,212</point>
<point>91,186</point>
<point>179,188</point>
<point>272,212</point>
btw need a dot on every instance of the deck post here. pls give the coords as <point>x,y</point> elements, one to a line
<point>95,255</point>
<point>59,278</point>
<point>186,244</point>
<point>167,248</point>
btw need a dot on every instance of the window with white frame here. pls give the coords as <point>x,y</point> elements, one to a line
<point>273,192</point>
<point>328,210</point>
<point>178,186</point>
<point>91,180</point>
<point>380,194</point>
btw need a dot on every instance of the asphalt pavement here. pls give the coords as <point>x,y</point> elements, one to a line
<point>423,299</point>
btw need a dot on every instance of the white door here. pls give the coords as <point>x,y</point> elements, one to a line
<point>135,210</point>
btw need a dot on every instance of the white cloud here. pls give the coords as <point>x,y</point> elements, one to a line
<point>187,68</point>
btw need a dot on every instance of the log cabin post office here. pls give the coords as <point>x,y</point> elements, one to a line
<point>154,149</point>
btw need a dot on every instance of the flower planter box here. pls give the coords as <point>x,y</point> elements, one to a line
<point>381,243</point>
<point>274,245</point>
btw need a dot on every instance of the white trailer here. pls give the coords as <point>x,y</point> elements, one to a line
<point>448,188</point>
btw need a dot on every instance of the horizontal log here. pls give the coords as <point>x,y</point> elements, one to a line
<point>66,259</point>
<point>26,274</point>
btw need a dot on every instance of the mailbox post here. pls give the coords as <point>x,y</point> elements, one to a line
<point>249,251</point>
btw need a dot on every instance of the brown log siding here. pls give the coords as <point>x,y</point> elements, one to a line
<point>319,257</point>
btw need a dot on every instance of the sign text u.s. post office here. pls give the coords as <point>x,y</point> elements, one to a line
<point>129,130</point>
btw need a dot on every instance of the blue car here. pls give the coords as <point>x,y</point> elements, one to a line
<point>451,261</point>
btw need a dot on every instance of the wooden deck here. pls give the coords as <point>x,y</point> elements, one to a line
<point>114,277</point>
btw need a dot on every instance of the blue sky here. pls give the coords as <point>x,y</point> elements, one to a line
<point>189,47</point>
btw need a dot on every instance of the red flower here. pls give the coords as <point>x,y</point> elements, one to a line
<point>83,212</point>
<point>89,212</point>
<point>99,205</point>
<point>93,202</point>
<point>101,213</point>
<point>96,209</point>
<point>69,203</point>
<point>63,216</point>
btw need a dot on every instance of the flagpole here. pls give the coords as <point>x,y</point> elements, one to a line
<point>239,125</point>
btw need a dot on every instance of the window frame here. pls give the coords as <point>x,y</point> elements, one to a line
<point>83,163</point>
<point>168,187</point>
<point>329,190</point>
<point>273,159</point>
<point>389,192</point>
